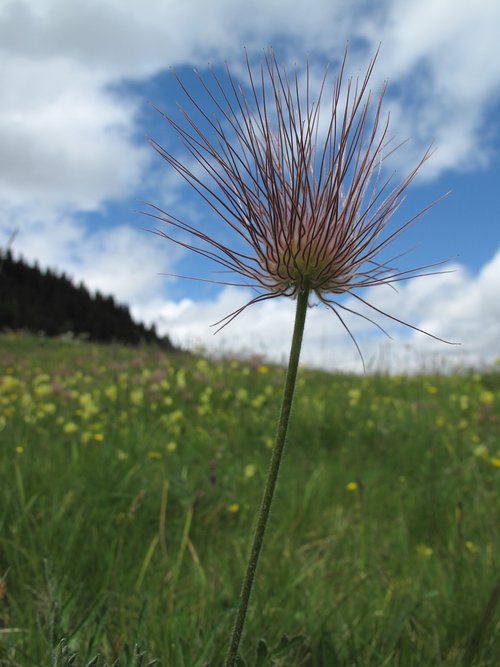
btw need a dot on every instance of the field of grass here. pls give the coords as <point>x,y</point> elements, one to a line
<point>129,482</point>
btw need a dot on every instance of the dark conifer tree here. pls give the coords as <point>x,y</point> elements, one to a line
<point>49,303</point>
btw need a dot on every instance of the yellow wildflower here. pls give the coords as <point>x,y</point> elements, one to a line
<point>424,550</point>
<point>258,401</point>
<point>263,370</point>
<point>250,470</point>
<point>175,417</point>
<point>202,365</point>
<point>352,486</point>
<point>233,508</point>
<point>42,390</point>
<point>42,378</point>
<point>155,456</point>
<point>269,442</point>
<point>495,461</point>
<point>481,451</point>
<point>471,547</point>
<point>88,406</point>
<point>181,379</point>
<point>98,437</point>
<point>19,449</point>
<point>136,396</point>
<point>206,395</point>
<point>241,395</point>
<point>171,446</point>
<point>487,397</point>
<point>111,392</point>
<point>70,427</point>
<point>8,383</point>
<point>354,396</point>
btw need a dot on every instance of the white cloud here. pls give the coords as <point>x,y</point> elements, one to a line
<point>455,306</point>
<point>65,143</point>
<point>123,260</point>
<point>128,39</point>
<point>444,54</point>
<point>67,140</point>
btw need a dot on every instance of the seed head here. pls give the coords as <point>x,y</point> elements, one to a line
<point>302,190</point>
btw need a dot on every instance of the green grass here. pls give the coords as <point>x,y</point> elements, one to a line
<point>129,482</point>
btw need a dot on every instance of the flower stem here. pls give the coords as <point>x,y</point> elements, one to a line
<point>272,477</point>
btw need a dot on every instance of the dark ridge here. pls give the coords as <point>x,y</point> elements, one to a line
<point>45,302</point>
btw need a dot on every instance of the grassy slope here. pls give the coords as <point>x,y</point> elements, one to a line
<point>128,487</point>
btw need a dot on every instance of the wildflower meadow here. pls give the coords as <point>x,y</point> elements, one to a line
<point>128,485</point>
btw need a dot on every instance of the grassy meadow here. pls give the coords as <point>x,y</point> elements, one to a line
<point>129,482</point>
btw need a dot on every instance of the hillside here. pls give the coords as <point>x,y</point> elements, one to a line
<point>45,302</point>
<point>129,485</point>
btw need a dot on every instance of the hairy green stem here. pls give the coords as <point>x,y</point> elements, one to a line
<point>272,477</point>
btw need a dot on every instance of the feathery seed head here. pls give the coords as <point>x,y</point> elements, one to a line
<point>301,189</point>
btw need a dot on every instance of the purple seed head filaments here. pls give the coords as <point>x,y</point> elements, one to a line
<point>297,178</point>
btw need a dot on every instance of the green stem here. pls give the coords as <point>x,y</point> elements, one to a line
<point>272,476</point>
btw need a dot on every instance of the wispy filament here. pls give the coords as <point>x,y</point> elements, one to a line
<point>308,199</point>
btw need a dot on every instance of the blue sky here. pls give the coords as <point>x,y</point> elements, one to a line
<point>78,80</point>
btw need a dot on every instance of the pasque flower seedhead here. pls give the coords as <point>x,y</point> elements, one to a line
<point>297,178</point>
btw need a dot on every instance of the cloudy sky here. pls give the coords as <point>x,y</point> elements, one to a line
<point>78,80</point>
